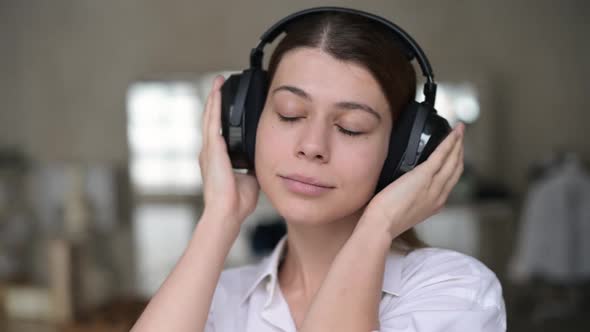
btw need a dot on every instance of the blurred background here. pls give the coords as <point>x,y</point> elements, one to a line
<point>100,115</point>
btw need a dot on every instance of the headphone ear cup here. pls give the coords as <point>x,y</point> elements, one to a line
<point>254,106</point>
<point>232,132</point>
<point>436,129</point>
<point>242,96</point>
<point>398,141</point>
<point>431,130</point>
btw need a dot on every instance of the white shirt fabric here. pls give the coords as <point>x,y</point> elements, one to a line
<point>427,290</point>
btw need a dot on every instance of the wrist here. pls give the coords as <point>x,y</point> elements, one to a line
<point>393,223</point>
<point>376,229</point>
<point>226,223</point>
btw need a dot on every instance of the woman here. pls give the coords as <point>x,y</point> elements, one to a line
<point>350,260</point>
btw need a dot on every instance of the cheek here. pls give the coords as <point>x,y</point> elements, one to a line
<point>268,148</point>
<point>362,164</point>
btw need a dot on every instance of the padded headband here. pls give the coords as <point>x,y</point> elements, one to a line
<point>412,48</point>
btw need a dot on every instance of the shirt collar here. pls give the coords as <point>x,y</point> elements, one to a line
<point>268,267</point>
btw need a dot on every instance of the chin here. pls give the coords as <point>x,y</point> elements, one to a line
<point>302,215</point>
<point>312,211</point>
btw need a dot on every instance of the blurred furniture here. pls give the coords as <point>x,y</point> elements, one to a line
<point>483,230</point>
<point>555,225</point>
<point>115,316</point>
<point>552,247</point>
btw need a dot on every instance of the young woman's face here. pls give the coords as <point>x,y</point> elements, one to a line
<point>322,138</point>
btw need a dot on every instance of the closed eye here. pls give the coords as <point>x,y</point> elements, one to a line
<point>349,132</point>
<point>340,129</point>
<point>288,118</point>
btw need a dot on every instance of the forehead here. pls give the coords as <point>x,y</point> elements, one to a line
<point>327,79</point>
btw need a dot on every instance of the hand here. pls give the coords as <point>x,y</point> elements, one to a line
<point>228,195</point>
<point>422,192</point>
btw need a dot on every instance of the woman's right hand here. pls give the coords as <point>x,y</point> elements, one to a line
<point>228,195</point>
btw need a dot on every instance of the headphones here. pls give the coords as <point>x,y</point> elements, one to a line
<point>416,133</point>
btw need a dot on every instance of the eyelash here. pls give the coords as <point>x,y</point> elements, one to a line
<point>340,129</point>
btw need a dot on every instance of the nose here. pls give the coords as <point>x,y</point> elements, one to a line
<point>314,143</point>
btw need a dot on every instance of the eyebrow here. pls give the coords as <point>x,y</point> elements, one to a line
<point>346,105</point>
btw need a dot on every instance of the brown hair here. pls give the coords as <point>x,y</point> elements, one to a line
<point>357,39</point>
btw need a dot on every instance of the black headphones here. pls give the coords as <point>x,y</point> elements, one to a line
<point>416,133</point>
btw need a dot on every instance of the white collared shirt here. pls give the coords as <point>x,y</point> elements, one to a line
<point>427,290</point>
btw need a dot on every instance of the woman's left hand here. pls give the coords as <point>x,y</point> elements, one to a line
<point>420,193</point>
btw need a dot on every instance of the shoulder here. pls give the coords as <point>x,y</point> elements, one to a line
<point>449,273</point>
<point>442,289</point>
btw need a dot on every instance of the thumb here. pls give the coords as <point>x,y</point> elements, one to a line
<point>248,184</point>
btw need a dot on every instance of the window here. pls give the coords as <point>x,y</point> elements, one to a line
<point>164,137</point>
<point>455,102</point>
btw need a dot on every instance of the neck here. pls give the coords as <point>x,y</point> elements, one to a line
<point>310,252</point>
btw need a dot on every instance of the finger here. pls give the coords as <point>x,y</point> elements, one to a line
<point>448,187</point>
<point>440,154</point>
<point>207,112</point>
<point>442,176</point>
<point>445,172</point>
<point>251,184</point>
<point>205,124</point>
<point>214,125</point>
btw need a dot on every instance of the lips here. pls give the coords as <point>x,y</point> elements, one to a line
<point>307,180</point>
<point>304,185</point>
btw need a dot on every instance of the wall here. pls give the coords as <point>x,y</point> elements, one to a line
<point>66,65</point>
